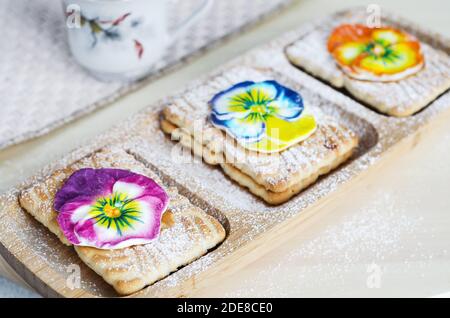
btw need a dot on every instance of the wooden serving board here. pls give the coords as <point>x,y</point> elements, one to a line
<point>253,228</point>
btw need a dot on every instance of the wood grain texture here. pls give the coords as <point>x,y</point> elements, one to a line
<point>254,228</point>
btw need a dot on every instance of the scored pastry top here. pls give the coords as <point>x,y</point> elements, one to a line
<point>186,235</point>
<point>278,171</point>
<point>385,68</point>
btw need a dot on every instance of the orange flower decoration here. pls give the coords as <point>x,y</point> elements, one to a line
<point>375,54</point>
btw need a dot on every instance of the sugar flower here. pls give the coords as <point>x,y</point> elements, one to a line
<point>375,54</point>
<point>110,208</point>
<point>264,116</point>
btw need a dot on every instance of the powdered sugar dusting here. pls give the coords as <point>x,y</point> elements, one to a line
<point>240,211</point>
<point>369,237</point>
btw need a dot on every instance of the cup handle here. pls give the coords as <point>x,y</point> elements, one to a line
<point>188,22</point>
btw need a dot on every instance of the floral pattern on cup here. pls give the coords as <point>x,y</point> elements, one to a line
<point>124,40</point>
<point>110,30</point>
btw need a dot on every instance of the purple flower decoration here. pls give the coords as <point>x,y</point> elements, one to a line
<point>110,208</point>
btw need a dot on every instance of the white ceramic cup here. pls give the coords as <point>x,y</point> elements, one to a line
<point>122,39</point>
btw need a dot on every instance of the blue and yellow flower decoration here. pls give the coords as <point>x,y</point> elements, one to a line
<point>262,116</point>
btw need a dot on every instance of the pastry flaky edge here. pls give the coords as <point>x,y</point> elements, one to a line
<point>330,146</point>
<point>397,98</point>
<point>187,232</point>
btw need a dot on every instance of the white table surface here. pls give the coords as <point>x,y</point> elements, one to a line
<point>388,236</point>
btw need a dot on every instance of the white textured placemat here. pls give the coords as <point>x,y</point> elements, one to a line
<point>9,289</point>
<point>42,87</point>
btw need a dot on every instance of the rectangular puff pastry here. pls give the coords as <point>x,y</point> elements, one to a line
<point>400,98</point>
<point>274,177</point>
<point>190,235</point>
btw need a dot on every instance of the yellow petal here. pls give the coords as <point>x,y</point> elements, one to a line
<point>388,36</point>
<point>281,134</point>
<point>290,132</point>
<point>348,52</point>
<point>405,55</point>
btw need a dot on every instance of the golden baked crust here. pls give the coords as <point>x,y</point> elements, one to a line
<point>188,236</point>
<point>131,269</point>
<point>337,153</point>
<point>274,177</point>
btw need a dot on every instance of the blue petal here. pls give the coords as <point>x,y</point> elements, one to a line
<point>248,131</point>
<point>270,88</point>
<point>288,103</point>
<point>220,102</point>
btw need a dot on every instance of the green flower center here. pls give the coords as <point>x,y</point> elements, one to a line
<point>260,112</point>
<point>112,212</point>
<point>382,50</point>
<point>254,100</point>
<point>378,50</point>
<point>260,109</point>
<point>116,212</point>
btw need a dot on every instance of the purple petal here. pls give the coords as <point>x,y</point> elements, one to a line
<point>88,182</point>
<point>147,186</point>
<point>65,217</point>
<point>80,220</point>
